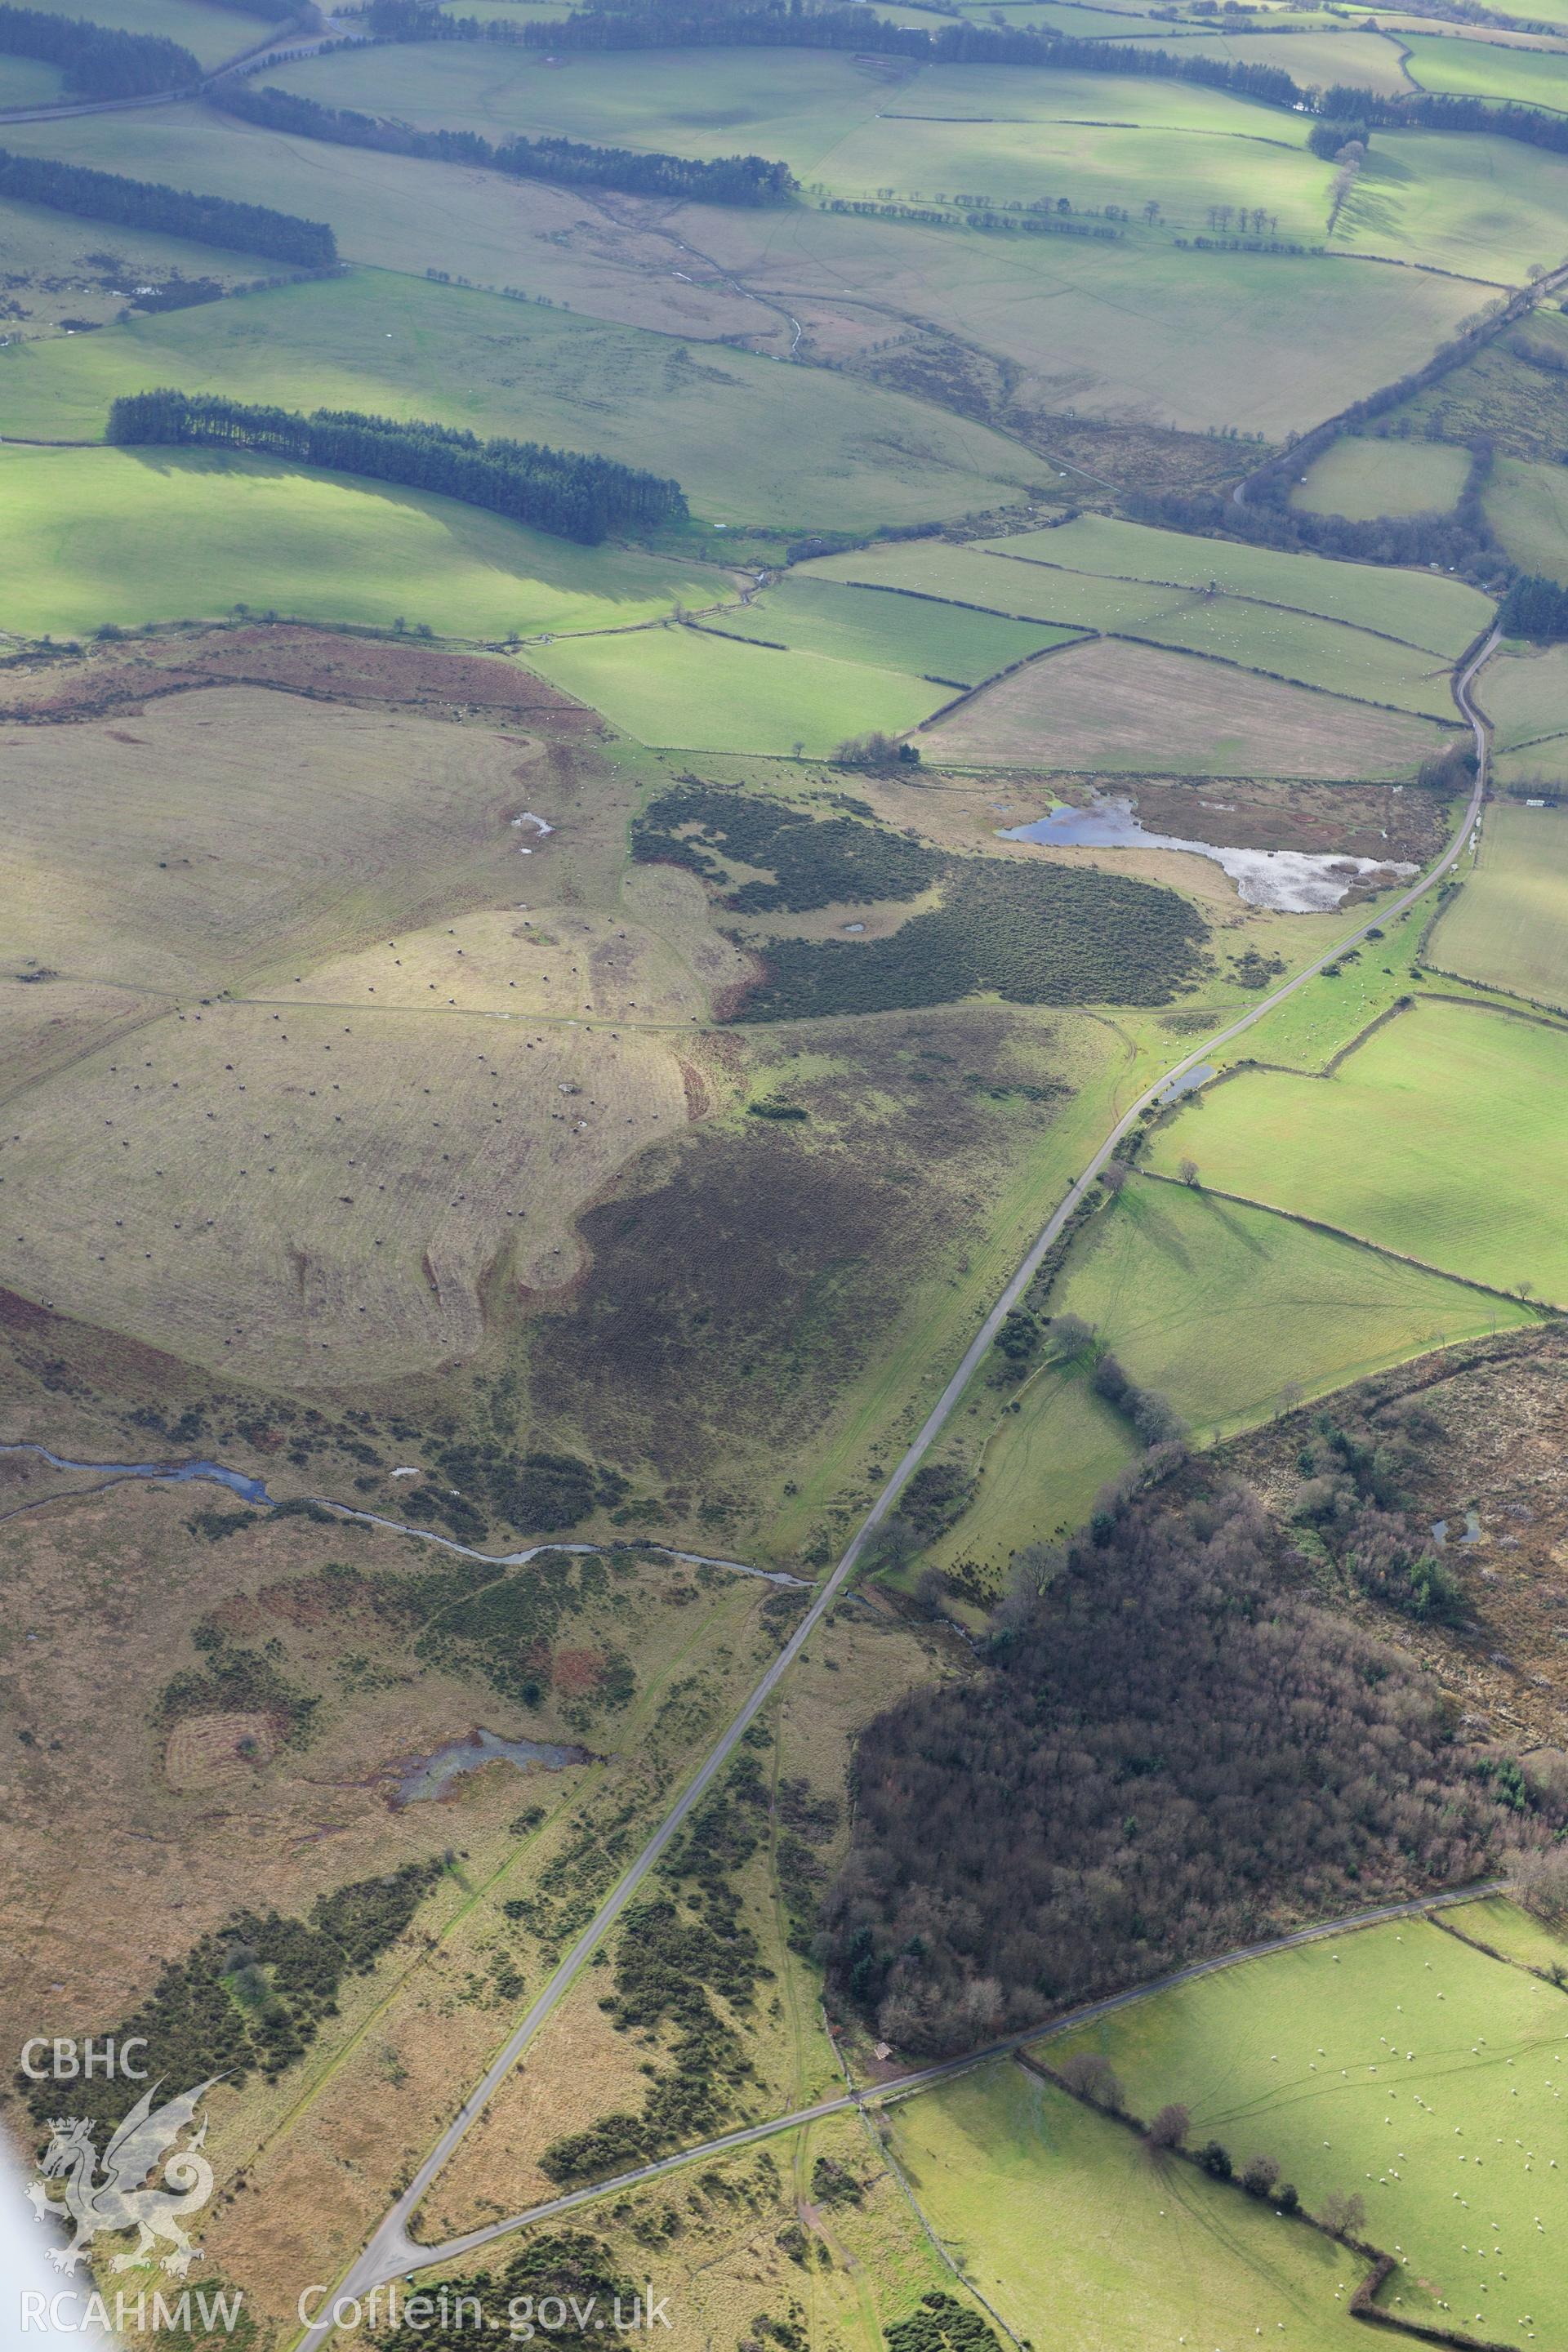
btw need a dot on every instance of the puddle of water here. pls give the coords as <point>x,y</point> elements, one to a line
<point>431,1775</point>
<point>1472,1531</point>
<point>1290,881</point>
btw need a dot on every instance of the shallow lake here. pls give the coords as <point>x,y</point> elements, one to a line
<point>1290,881</point>
<point>433,1775</point>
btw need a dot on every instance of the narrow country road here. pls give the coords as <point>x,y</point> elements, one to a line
<point>904,2086</point>
<point>391,2252</point>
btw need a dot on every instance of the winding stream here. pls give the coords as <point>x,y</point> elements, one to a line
<point>254,1491</point>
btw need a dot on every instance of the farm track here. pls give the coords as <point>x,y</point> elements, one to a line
<point>391,2250</point>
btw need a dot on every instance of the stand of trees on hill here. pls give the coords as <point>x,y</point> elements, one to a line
<point>1168,1748</point>
<point>580,498</point>
<point>95,61</point>
<point>1536,608</point>
<point>177,212</point>
<point>827,29</point>
<point>729,180</point>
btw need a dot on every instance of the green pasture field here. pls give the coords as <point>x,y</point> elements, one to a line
<point>1525,694</point>
<point>1221,1308</point>
<point>1329,1011</point>
<point>1396,2064</point>
<point>1486,208</point>
<point>889,632</point>
<point>1133,330</point>
<point>1526,506</point>
<point>1516,1934</point>
<point>1366,61</point>
<point>1302,648</point>
<point>1441,615</point>
<point>1075,2236</point>
<point>1085,23</point>
<point>1489,69</point>
<point>1509,925</point>
<point>700,692</point>
<point>101,535</point>
<point>210,34</point>
<point>1438,1138</point>
<point>1131,709</point>
<point>30,81</point>
<point>749,439</point>
<point>794,105</point>
<point>1365,479</point>
<point>922,132</point>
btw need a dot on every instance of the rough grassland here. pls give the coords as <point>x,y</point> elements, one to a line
<point>1125,708</point>
<point>48,277</point>
<point>1443,615</point>
<point>276,1196</point>
<point>1364,479</point>
<point>1076,2237</point>
<point>1399,2065</point>
<point>906,632</point>
<point>1526,506</point>
<point>1221,1309</point>
<point>1509,925</point>
<point>133,536</point>
<point>748,439</point>
<point>1440,1136</point>
<point>238,835</point>
<point>700,692</point>
<point>1487,69</point>
<point>1138,333</point>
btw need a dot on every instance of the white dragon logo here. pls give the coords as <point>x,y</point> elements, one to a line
<point>102,2203</point>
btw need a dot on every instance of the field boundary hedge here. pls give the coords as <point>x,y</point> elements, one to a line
<point>1543,1306</point>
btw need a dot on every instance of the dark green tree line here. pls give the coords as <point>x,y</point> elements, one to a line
<point>177,212</point>
<point>96,61</point>
<point>576,495</point>
<point>728,180</point>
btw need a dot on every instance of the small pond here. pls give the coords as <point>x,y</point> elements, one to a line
<point>1290,881</point>
<point>432,1776</point>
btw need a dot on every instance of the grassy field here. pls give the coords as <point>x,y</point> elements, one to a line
<point>1126,710</point>
<point>28,81</point>
<point>749,440</point>
<point>1138,331</point>
<point>1487,209</point>
<point>1526,697</point>
<point>129,537</point>
<point>1526,506</point>
<point>1074,2236</point>
<point>1277,641</point>
<point>700,692</point>
<point>1487,69</point>
<point>1226,1311</point>
<point>1516,1934</point>
<point>58,267</point>
<point>1364,479</point>
<point>1509,925</point>
<point>1522,409</point>
<point>1435,1137</point>
<point>1364,60</point>
<point>907,633</point>
<point>1441,615</point>
<point>1357,2062</point>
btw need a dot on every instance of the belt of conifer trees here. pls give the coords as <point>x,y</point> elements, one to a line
<point>96,61</point>
<point>728,180</point>
<point>177,212</point>
<point>558,490</point>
